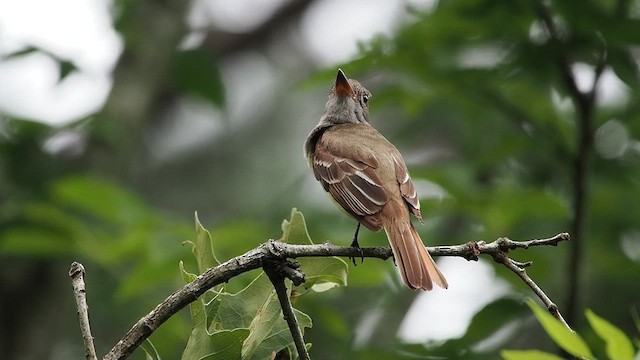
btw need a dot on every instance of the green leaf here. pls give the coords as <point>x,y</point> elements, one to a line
<point>196,72</point>
<point>34,242</point>
<point>321,273</point>
<point>101,199</point>
<point>238,310</point>
<point>623,64</point>
<point>186,276</point>
<point>294,231</point>
<point>150,350</point>
<point>26,51</point>
<point>528,355</point>
<point>200,343</point>
<point>203,248</point>
<point>227,344</point>
<point>618,344</point>
<point>262,325</point>
<point>279,337</point>
<point>66,68</point>
<point>257,308</point>
<point>570,341</point>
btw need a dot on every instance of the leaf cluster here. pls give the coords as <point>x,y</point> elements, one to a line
<point>248,323</point>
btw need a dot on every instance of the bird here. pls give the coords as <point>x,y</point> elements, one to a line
<point>367,177</point>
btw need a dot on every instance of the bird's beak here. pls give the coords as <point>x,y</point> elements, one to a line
<point>342,85</point>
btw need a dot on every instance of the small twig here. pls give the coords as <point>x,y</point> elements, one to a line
<point>277,272</point>
<point>76,272</point>
<point>278,251</point>
<point>518,268</point>
<point>499,250</point>
<point>500,253</point>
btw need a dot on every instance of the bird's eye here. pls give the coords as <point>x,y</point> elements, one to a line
<point>365,99</point>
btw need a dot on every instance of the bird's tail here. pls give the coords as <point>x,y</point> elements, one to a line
<point>416,266</point>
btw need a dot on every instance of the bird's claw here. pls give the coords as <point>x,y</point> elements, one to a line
<point>355,247</point>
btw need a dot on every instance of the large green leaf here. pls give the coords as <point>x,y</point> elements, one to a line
<point>257,309</point>
<point>262,324</point>
<point>528,355</point>
<point>321,273</point>
<point>570,341</point>
<point>227,344</point>
<point>618,344</point>
<point>237,310</point>
<point>278,336</point>
<point>200,342</point>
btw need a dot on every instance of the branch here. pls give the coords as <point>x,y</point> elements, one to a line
<point>277,272</point>
<point>76,272</point>
<point>181,298</point>
<point>563,62</point>
<point>225,43</point>
<point>275,251</point>
<point>519,268</point>
<point>584,101</point>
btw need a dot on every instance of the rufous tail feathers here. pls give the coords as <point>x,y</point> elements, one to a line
<point>416,266</point>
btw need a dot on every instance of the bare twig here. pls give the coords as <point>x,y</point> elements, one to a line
<point>499,250</point>
<point>277,272</point>
<point>279,251</point>
<point>76,272</point>
<point>518,268</point>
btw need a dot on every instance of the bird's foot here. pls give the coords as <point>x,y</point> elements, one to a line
<point>355,248</point>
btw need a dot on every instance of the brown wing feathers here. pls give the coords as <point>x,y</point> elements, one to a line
<point>353,184</point>
<point>407,189</point>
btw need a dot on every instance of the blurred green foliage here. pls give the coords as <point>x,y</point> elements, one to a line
<point>470,91</point>
<point>618,345</point>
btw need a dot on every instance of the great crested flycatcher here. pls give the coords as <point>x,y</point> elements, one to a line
<point>367,176</point>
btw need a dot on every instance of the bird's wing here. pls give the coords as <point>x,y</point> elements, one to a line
<point>352,183</point>
<point>407,189</point>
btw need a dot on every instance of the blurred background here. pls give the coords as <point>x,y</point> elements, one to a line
<point>119,119</point>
